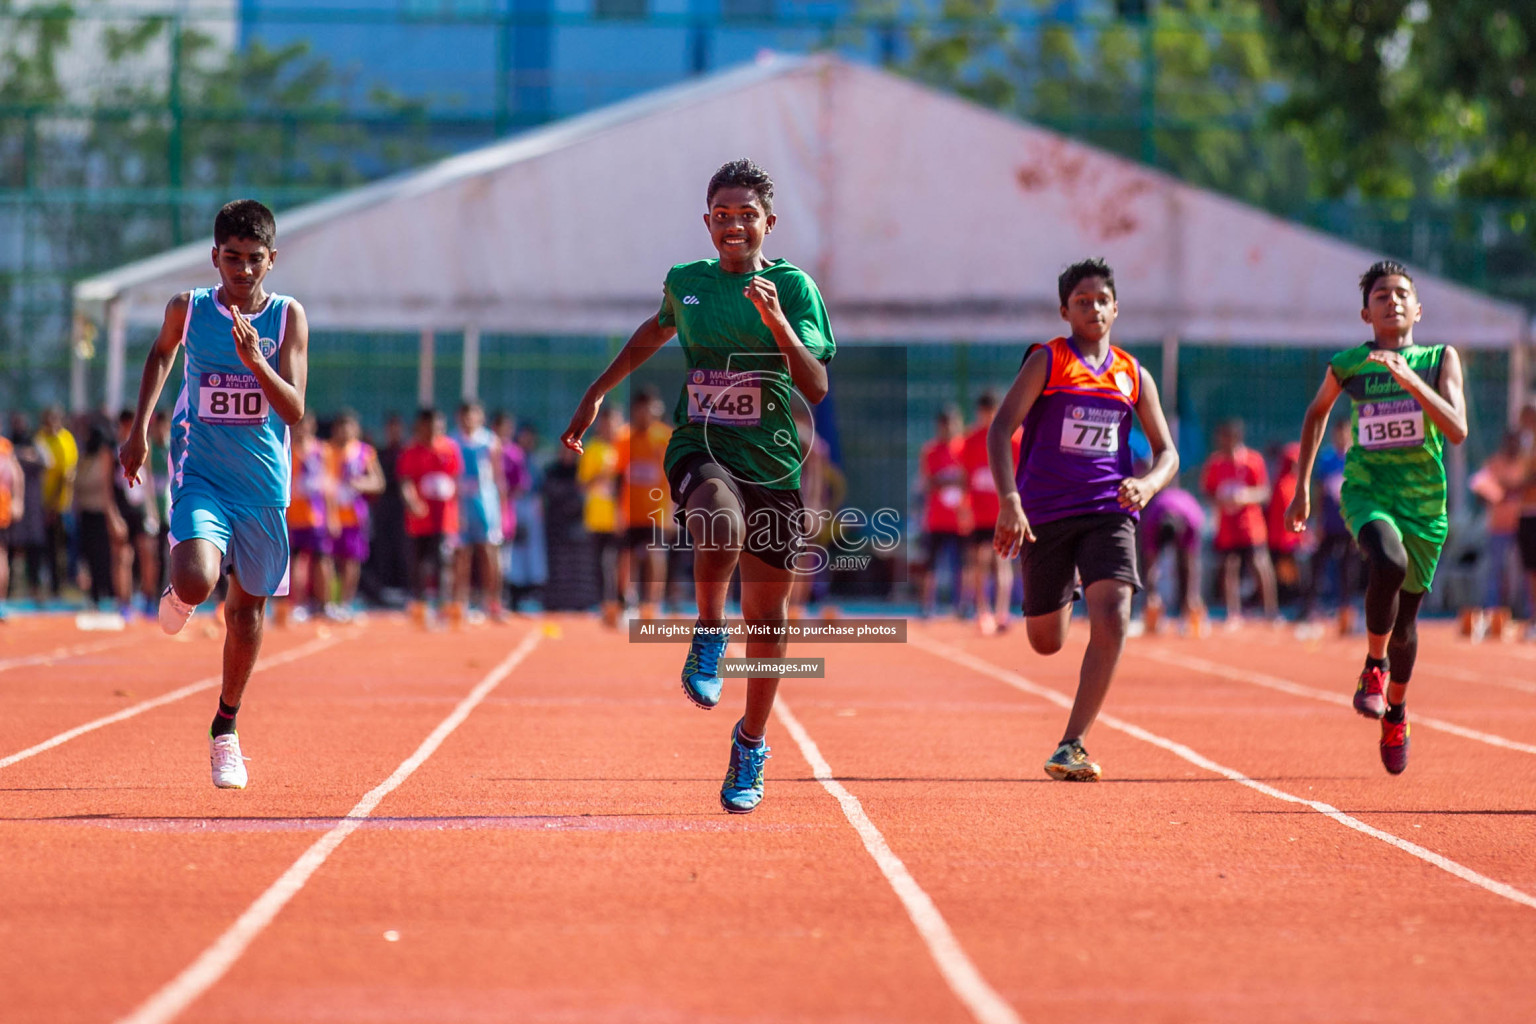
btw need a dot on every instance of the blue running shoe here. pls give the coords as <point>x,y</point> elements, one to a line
<point>701,672</point>
<point>743,789</point>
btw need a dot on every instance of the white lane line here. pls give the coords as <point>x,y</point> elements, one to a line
<point>301,651</point>
<point>964,979</point>
<point>1018,682</point>
<point>63,653</point>
<point>1464,676</point>
<point>1297,690</point>
<point>204,972</point>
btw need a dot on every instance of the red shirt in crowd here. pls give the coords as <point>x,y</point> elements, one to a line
<point>1286,481</point>
<point>946,510</point>
<point>1242,526</point>
<point>434,471</point>
<point>978,475</point>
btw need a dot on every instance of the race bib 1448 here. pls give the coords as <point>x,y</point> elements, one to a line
<point>231,400</point>
<point>724,399</point>
<point>1395,424</point>
<point>1088,431</point>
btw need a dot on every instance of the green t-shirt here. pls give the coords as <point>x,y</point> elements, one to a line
<point>735,402</point>
<point>1395,463</point>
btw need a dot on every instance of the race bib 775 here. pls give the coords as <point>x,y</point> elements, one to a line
<point>1090,431</point>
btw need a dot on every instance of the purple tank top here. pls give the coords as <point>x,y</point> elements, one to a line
<point>1076,447</point>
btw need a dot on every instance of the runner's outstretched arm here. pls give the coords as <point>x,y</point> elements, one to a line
<point>157,367</point>
<point>1012,526</point>
<point>1312,427</point>
<point>1136,491</point>
<point>647,340</point>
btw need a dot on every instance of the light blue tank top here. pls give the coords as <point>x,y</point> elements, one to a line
<point>225,437</point>
<point>477,487</point>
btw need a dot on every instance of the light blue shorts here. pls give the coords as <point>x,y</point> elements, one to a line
<point>252,538</point>
<point>479,524</point>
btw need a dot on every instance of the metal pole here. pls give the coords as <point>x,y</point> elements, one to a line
<point>117,346</point>
<point>470,389</point>
<point>1170,388</point>
<point>424,382</point>
<point>1519,371</point>
<point>80,352</point>
<point>173,146</point>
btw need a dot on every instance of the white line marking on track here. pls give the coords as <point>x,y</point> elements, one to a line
<point>1297,690</point>
<point>204,972</point>
<point>1474,677</point>
<point>63,653</point>
<point>1018,682</point>
<point>953,963</point>
<point>301,651</point>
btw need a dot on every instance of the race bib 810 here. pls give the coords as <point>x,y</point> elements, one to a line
<point>724,399</point>
<point>231,400</point>
<point>1088,431</point>
<point>1395,424</point>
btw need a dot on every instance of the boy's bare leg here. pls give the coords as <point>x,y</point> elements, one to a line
<point>718,527</point>
<point>1049,631</point>
<point>244,617</point>
<point>1269,589</point>
<point>1109,613</point>
<point>765,603</point>
<point>1231,584</point>
<point>1004,596</point>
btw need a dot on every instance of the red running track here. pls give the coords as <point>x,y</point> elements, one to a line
<point>558,854</point>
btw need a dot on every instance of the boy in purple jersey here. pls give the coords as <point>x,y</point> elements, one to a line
<point>1072,509</point>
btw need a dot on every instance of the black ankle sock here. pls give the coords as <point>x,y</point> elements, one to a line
<point>224,721</point>
<point>1397,712</point>
<point>1371,662</point>
<point>748,741</point>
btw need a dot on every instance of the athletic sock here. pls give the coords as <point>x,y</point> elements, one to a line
<point>748,741</point>
<point>1371,663</point>
<point>1397,712</point>
<point>224,721</point>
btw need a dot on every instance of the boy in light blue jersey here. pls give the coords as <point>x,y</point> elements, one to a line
<point>482,490</point>
<point>247,361</point>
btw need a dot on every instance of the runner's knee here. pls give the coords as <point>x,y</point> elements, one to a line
<point>1385,555</point>
<point>194,572</point>
<point>244,621</point>
<point>714,517</point>
<point>1045,634</point>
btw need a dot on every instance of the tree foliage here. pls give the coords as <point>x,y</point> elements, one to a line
<point>1183,88</point>
<point>1399,98</point>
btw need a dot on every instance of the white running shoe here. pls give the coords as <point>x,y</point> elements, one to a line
<point>228,765</point>
<point>174,612</point>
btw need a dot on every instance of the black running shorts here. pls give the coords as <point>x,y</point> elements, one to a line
<point>1091,547</point>
<point>775,519</point>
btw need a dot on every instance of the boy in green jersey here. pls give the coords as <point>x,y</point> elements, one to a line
<point>755,337</point>
<point>1405,401</point>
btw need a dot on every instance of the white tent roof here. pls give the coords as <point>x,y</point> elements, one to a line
<point>922,216</point>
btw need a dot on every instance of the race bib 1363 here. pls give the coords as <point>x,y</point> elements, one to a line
<point>1395,424</point>
<point>231,400</point>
